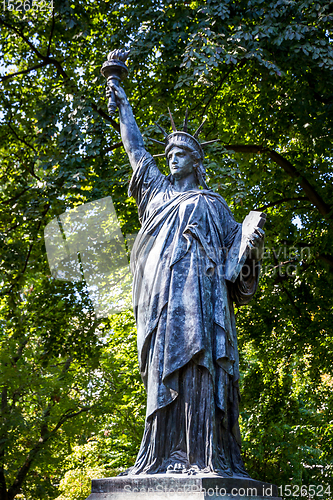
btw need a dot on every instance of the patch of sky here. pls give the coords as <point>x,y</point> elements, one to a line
<point>59,125</point>
<point>80,71</point>
<point>297,222</point>
<point>5,69</point>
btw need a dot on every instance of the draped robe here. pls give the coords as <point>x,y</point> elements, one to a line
<point>186,335</point>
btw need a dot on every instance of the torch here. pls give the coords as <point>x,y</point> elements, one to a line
<point>115,70</point>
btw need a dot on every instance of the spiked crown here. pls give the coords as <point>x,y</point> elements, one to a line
<point>181,138</point>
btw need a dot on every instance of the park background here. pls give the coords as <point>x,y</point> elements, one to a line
<point>72,401</point>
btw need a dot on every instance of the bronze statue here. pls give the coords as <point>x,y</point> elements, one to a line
<point>188,245</point>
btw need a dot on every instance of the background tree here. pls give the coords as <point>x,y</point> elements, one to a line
<point>261,72</point>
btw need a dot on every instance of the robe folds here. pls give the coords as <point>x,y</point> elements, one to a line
<point>186,335</point>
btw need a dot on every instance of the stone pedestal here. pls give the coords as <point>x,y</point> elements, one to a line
<point>181,487</point>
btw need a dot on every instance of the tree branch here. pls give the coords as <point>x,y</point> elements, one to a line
<point>27,41</point>
<point>45,436</point>
<point>30,171</point>
<point>51,34</point>
<point>317,96</point>
<point>24,72</point>
<point>106,117</point>
<point>50,60</point>
<point>239,65</point>
<point>245,148</point>
<point>311,193</point>
<point>113,146</point>
<point>328,259</point>
<point>291,300</point>
<point>279,202</point>
<point>21,139</point>
<point>220,83</point>
<point>6,202</point>
<point>3,486</point>
<point>309,190</point>
<point>24,469</point>
<point>142,96</point>
<point>33,242</point>
<point>19,352</point>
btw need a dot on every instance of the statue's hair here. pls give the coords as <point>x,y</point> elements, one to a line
<point>199,169</point>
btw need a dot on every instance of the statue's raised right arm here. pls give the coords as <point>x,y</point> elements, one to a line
<point>130,133</point>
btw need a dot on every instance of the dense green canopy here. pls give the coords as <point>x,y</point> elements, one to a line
<point>261,72</point>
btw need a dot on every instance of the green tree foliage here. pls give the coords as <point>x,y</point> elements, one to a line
<point>261,72</point>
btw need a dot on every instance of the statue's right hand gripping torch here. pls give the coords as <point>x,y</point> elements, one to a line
<point>114,70</point>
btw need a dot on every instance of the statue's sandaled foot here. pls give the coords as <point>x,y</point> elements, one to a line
<point>126,472</point>
<point>176,468</point>
<point>193,470</point>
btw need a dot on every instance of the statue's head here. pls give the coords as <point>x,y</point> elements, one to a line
<point>188,151</point>
<point>183,161</point>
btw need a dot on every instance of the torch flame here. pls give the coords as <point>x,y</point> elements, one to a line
<point>120,55</point>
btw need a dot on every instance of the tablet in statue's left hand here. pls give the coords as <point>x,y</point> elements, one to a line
<point>256,244</point>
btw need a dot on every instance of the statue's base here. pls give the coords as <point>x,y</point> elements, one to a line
<point>180,487</point>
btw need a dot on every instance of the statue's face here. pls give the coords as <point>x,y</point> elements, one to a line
<point>180,163</point>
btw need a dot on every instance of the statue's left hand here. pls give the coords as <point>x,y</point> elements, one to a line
<point>256,245</point>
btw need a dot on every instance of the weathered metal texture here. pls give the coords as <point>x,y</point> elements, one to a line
<point>184,308</point>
